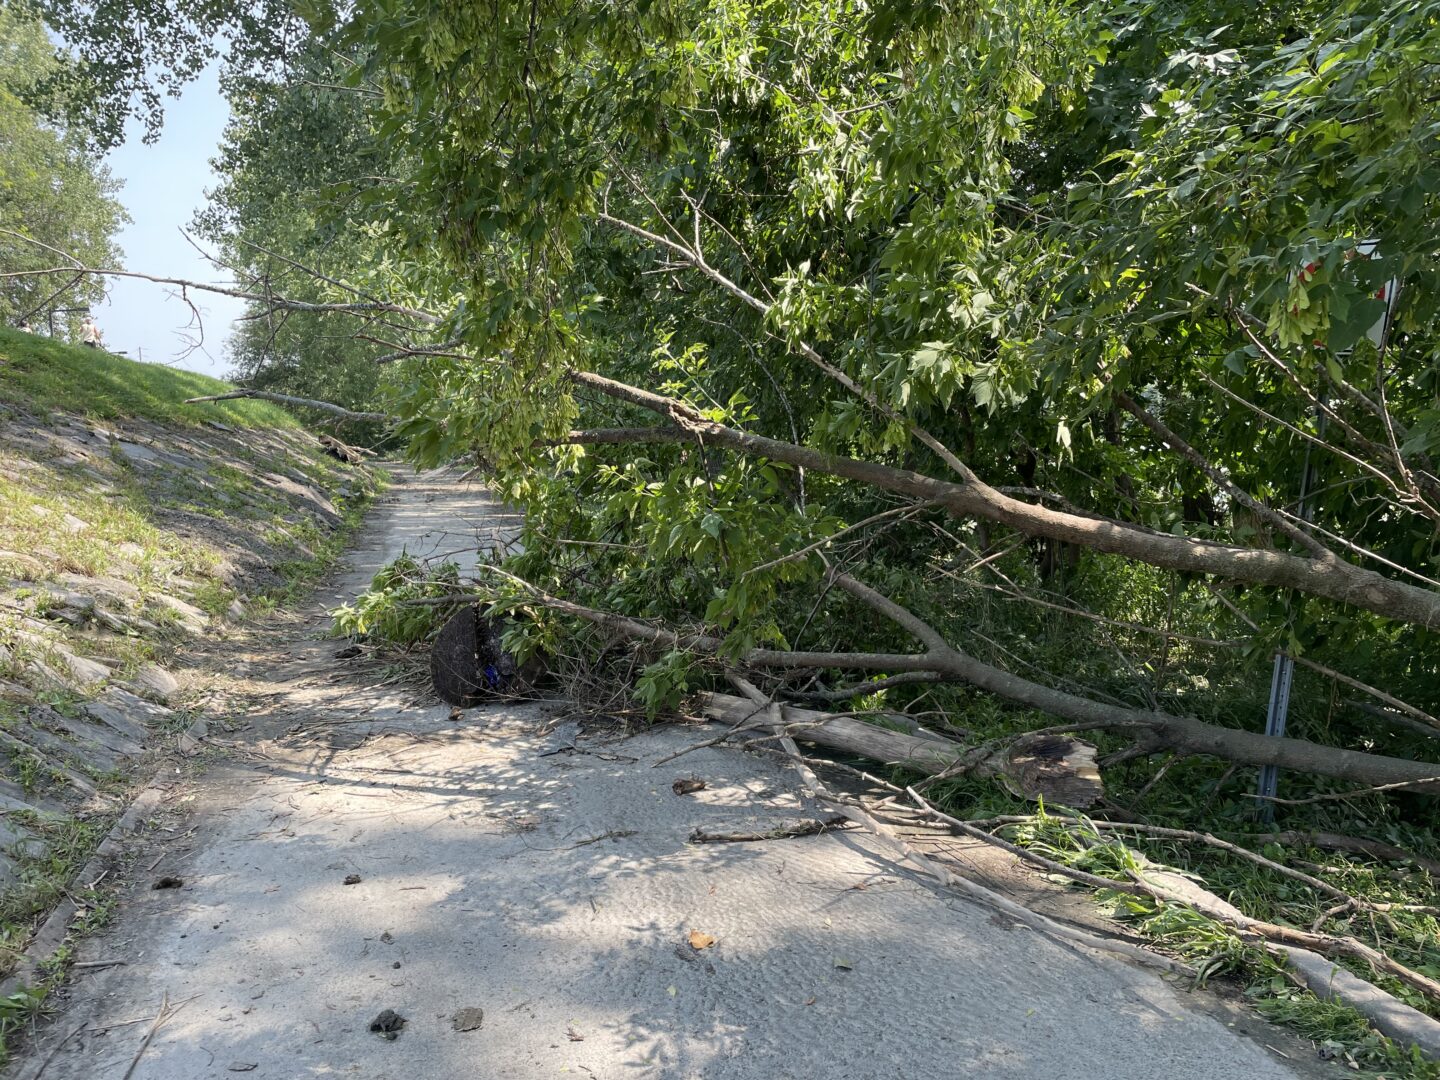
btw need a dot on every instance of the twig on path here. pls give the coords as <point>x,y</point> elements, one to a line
<point>165,1013</point>
<point>742,725</point>
<point>904,852</point>
<point>613,834</point>
<point>812,827</point>
<point>56,1049</point>
<point>84,964</point>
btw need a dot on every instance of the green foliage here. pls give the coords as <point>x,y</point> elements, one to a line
<point>663,684</point>
<point>394,609</point>
<point>18,1013</point>
<point>1215,950</point>
<point>989,217</point>
<point>1340,1031</point>
<point>300,206</point>
<point>54,193</point>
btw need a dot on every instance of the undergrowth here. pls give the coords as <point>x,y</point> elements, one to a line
<point>405,605</point>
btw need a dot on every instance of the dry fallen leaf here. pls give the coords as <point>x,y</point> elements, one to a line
<point>687,787</point>
<point>810,1000</point>
<point>573,1035</point>
<point>700,940</point>
<point>842,964</point>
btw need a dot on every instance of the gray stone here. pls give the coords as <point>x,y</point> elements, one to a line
<point>74,524</point>
<point>84,670</point>
<point>124,712</point>
<point>112,741</point>
<point>54,762</point>
<point>102,588</point>
<point>70,671</point>
<point>154,681</point>
<point>191,618</point>
<point>85,753</point>
<point>147,711</point>
<point>137,454</point>
<point>15,799</point>
<point>10,691</point>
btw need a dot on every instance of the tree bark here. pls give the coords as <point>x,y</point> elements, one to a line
<point>1153,731</point>
<point>1057,768</point>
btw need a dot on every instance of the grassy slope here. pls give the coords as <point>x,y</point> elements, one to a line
<point>43,374</point>
<point>153,531</point>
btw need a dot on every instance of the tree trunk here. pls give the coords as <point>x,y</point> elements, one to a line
<point>1153,731</point>
<point>1059,769</point>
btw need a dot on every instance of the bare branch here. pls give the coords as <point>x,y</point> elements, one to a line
<point>307,403</point>
<point>1190,454</point>
<point>695,258</point>
<point>276,302</point>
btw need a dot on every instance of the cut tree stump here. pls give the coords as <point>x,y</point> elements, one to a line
<point>469,665</point>
<point>1057,768</point>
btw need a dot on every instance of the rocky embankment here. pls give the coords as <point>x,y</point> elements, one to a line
<point>122,543</point>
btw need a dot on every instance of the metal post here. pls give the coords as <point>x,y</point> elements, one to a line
<point>1284,672</point>
<point>1280,679</point>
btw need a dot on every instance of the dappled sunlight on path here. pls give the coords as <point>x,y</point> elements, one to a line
<point>512,862</point>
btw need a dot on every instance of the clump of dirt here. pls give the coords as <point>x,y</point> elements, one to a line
<point>388,1025</point>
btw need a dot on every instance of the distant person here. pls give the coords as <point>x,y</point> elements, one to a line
<point>90,333</point>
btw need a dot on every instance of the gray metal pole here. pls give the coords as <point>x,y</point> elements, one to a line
<point>1284,672</point>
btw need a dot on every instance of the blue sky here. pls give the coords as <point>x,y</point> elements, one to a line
<point>164,185</point>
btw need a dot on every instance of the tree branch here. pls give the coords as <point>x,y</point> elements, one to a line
<point>1244,498</point>
<point>1331,578</point>
<point>1156,730</point>
<point>286,399</point>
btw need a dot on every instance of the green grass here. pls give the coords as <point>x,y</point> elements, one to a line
<point>44,374</point>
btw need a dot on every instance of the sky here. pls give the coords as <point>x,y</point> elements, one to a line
<point>164,185</point>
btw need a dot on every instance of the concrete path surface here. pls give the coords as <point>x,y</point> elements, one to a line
<point>532,884</point>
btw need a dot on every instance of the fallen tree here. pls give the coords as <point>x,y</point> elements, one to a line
<point>1321,573</point>
<point>1150,731</point>
<point>1057,768</point>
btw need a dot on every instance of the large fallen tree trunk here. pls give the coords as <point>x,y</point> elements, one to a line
<point>1057,768</point>
<point>1152,731</point>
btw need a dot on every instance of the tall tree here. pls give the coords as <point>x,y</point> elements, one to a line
<point>1052,302</point>
<point>302,210</point>
<point>56,197</point>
